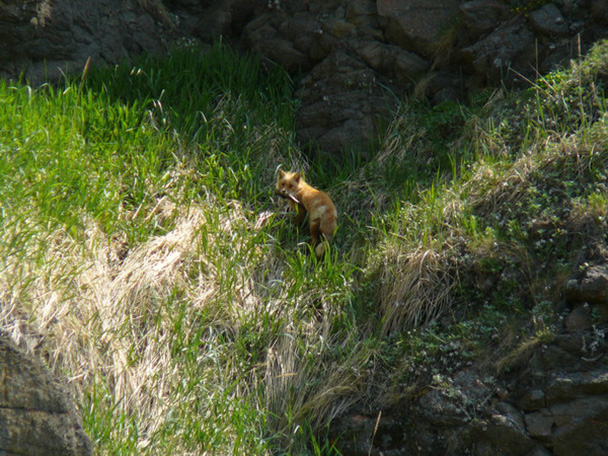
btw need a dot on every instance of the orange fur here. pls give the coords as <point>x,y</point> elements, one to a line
<point>304,199</point>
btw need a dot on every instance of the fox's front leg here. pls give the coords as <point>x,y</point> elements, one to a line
<point>300,214</point>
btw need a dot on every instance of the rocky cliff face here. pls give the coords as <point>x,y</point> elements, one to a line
<point>549,396</point>
<point>360,55</point>
<point>353,59</point>
<point>44,39</point>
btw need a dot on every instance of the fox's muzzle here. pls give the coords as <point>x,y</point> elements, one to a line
<point>286,195</point>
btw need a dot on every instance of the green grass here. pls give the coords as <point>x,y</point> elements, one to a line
<point>140,241</point>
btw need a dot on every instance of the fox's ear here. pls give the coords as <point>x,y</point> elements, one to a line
<point>282,174</point>
<point>297,176</point>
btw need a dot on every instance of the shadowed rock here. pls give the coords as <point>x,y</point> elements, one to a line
<point>43,40</point>
<point>548,20</point>
<point>417,24</point>
<point>36,416</point>
<point>342,104</point>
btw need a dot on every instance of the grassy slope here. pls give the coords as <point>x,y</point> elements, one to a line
<point>143,256</point>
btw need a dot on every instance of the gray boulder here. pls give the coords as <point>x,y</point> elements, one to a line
<point>509,47</point>
<point>36,416</point>
<point>417,24</point>
<point>592,287</point>
<point>482,16</point>
<point>548,20</point>
<point>341,105</point>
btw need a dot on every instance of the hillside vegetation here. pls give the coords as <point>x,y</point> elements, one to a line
<point>145,258</point>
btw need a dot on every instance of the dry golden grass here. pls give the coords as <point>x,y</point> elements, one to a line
<point>99,316</point>
<point>518,357</point>
<point>293,381</point>
<point>415,289</point>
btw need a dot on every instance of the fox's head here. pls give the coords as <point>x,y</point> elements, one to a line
<point>288,183</point>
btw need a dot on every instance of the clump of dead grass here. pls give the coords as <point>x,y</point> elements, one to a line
<point>518,356</point>
<point>302,383</point>
<point>415,289</point>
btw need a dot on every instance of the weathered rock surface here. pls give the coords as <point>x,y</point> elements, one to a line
<point>592,287</point>
<point>482,16</point>
<point>36,416</point>
<point>341,102</point>
<point>548,20</point>
<point>452,45</point>
<point>555,403</point>
<point>43,40</point>
<point>587,293</point>
<point>563,394</point>
<point>417,24</point>
<point>507,48</point>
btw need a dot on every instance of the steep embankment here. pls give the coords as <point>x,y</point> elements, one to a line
<point>143,257</point>
<point>492,284</point>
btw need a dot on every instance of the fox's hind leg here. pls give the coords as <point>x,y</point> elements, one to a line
<point>315,231</point>
<point>318,238</point>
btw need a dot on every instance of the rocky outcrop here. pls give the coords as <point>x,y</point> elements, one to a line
<point>548,396</point>
<point>587,293</point>
<point>553,402</point>
<point>417,25</point>
<point>353,60</point>
<point>560,398</point>
<point>360,57</point>
<point>36,416</point>
<point>43,39</point>
<point>501,54</point>
<point>591,287</point>
<point>341,104</point>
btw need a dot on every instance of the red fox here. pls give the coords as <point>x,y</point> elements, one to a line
<point>322,214</point>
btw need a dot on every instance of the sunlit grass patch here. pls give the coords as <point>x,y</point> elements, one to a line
<point>141,257</point>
